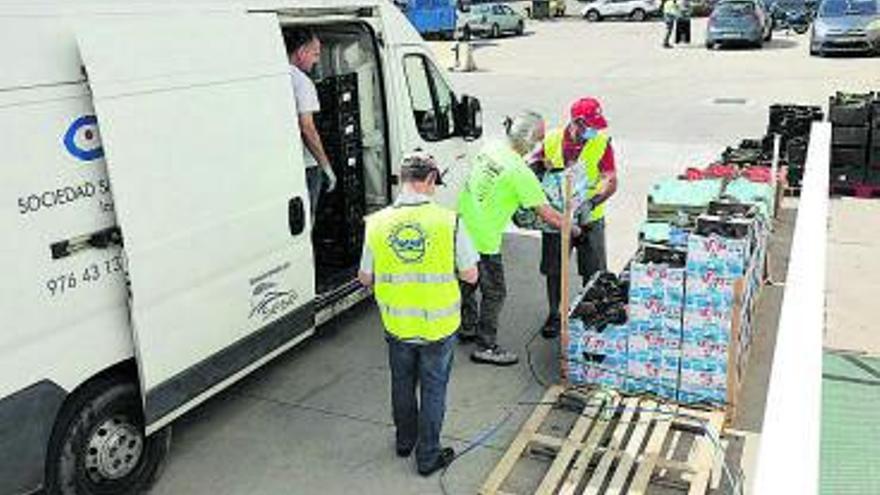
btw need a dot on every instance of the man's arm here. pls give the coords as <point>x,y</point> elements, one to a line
<point>550,215</point>
<point>466,256</point>
<point>312,140</point>
<point>365,273</point>
<point>608,173</point>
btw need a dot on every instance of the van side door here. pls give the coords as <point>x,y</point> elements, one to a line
<point>428,117</point>
<point>198,123</point>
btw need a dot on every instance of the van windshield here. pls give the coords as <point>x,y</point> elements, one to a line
<point>839,8</point>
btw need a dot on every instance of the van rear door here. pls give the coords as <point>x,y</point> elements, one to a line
<point>198,124</point>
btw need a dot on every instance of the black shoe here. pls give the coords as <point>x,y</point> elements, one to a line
<point>404,452</point>
<point>550,330</point>
<point>447,455</point>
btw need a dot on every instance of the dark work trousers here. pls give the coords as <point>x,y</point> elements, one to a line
<point>481,319</point>
<point>418,423</point>
<point>591,258</point>
<point>670,26</point>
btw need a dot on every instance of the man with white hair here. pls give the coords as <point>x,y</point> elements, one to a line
<point>500,182</point>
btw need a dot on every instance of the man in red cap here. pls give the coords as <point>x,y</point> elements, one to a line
<point>583,143</point>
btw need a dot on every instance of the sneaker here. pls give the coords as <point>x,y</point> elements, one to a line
<point>494,355</point>
<point>550,330</point>
<point>445,458</point>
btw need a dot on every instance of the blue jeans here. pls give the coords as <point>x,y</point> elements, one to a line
<point>419,423</point>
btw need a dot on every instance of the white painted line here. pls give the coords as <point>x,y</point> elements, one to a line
<point>788,457</point>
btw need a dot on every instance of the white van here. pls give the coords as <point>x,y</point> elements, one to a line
<point>155,241</point>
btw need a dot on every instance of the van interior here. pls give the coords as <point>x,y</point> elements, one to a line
<point>354,132</point>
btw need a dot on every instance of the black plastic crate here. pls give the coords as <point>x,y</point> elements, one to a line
<point>345,157</point>
<point>855,136</point>
<point>847,175</point>
<point>338,128</point>
<point>338,94</point>
<point>848,157</point>
<point>796,152</point>
<point>850,109</point>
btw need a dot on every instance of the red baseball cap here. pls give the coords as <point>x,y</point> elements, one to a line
<point>590,111</point>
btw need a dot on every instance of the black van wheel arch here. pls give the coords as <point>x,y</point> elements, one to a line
<point>98,444</point>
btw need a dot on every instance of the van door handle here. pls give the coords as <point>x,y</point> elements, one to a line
<point>101,239</point>
<point>296,216</point>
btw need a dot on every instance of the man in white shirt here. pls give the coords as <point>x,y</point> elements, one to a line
<point>304,50</point>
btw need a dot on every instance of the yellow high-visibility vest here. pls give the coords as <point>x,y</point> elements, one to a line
<point>590,156</point>
<point>415,280</point>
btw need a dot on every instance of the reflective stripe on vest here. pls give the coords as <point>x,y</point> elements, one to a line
<point>590,156</point>
<point>416,287</point>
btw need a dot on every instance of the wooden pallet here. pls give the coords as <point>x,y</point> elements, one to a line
<point>581,441</point>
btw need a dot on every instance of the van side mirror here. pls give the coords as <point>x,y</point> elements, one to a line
<point>469,118</point>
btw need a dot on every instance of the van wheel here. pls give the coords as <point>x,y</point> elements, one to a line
<point>638,15</point>
<point>98,444</point>
<point>466,33</point>
<point>496,31</point>
<point>592,16</point>
<point>520,28</point>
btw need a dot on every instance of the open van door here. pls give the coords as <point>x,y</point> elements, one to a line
<point>197,119</point>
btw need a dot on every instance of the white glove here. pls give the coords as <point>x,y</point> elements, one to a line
<point>331,178</point>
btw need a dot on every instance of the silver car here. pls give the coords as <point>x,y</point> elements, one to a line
<point>490,19</point>
<point>846,26</point>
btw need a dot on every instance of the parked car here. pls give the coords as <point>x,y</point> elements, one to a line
<point>637,10</point>
<point>790,15</point>
<point>738,22</point>
<point>490,19</point>
<point>851,26</point>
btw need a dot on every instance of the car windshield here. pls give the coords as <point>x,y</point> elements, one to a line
<point>734,9</point>
<point>839,8</point>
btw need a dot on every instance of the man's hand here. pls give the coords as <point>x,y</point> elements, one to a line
<point>469,275</point>
<point>576,231</point>
<point>331,177</point>
<point>366,279</point>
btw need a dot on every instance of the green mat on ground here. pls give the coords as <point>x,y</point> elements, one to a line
<point>850,449</point>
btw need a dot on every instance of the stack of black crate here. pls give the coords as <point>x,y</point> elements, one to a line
<point>873,171</point>
<point>850,116</point>
<point>338,234</point>
<point>792,123</point>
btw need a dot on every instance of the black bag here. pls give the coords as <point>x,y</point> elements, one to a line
<point>682,30</point>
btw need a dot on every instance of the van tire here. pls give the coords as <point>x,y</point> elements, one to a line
<point>78,457</point>
<point>496,31</point>
<point>593,16</point>
<point>520,28</point>
<point>638,15</point>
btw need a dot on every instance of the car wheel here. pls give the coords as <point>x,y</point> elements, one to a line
<point>769,35</point>
<point>638,15</point>
<point>466,33</point>
<point>710,45</point>
<point>592,16</point>
<point>496,31</point>
<point>98,444</point>
<point>801,28</point>
<point>520,28</point>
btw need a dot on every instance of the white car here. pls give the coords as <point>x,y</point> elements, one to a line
<point>637,10</point>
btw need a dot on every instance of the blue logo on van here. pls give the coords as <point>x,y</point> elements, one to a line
<point>82,139</point>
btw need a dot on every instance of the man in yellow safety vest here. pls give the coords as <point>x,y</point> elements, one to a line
<point>583,143</point>
<point>414,255</point>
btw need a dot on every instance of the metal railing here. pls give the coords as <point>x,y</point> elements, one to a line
<point>788,455</point>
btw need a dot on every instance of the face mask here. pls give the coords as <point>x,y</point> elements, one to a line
<point>589,133</point>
